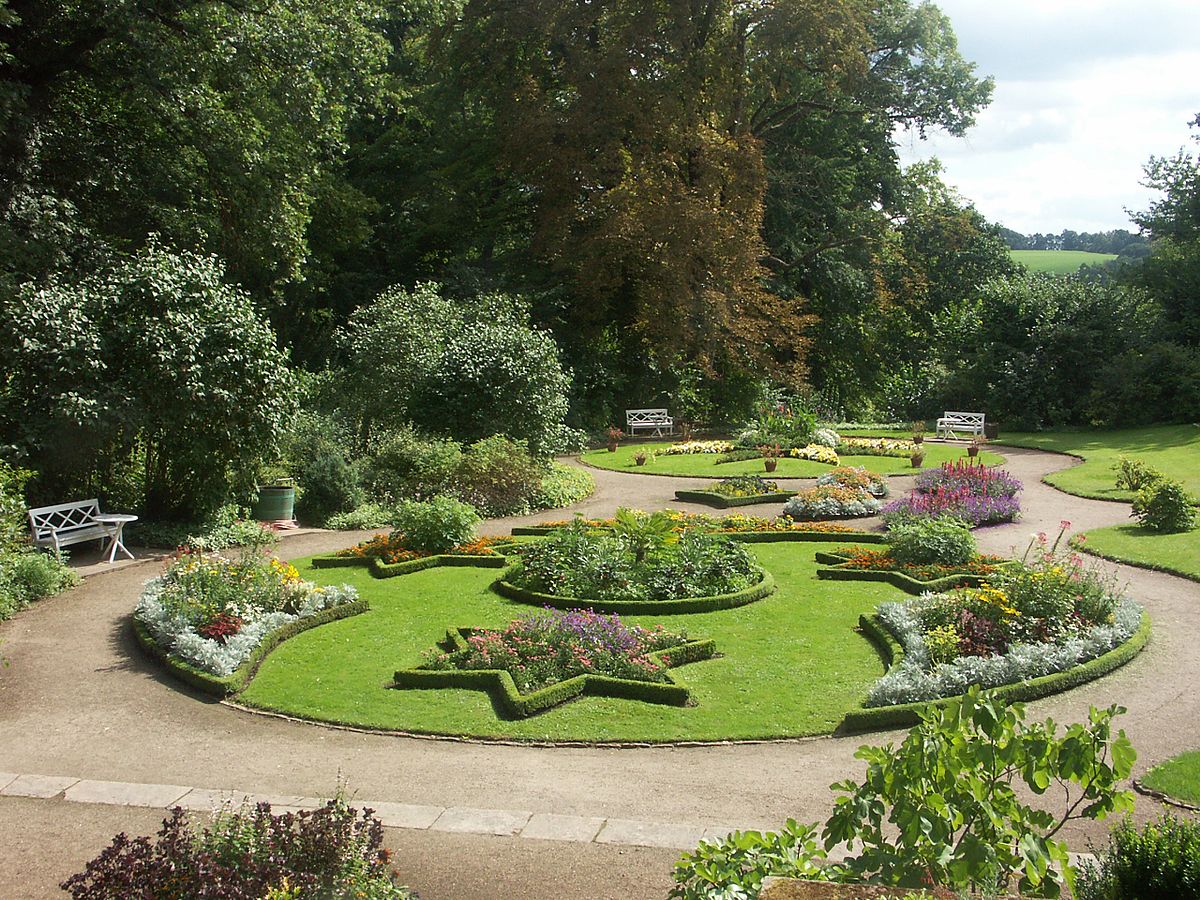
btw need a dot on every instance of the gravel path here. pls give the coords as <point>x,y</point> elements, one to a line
<point>79,699</point>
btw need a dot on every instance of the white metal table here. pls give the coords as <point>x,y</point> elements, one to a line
<point>120,520</point>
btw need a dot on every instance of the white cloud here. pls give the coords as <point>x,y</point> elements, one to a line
<point>1085,94</point>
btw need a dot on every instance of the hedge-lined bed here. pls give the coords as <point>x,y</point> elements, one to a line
<point>905,582</point>
<point>720,501</point>
<point>499,684</point>
<point>764,587</point>
<point>905,715</point>
<point>227,685</point>
<point>381,569</point>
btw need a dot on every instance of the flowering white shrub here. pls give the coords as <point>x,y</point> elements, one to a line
<point>826,437</point>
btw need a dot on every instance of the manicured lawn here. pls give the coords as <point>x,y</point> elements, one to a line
<point>1178,554</point>
<point>1172,449</point>
<point>1059,262</point>
<point>791,664</point>
<point>704,465</point>
<point>1178,777</point>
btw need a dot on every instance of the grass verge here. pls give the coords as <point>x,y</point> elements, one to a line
<point>1177,777</point>
<point>1177,554</point>
<point>1172,449</point>
<point>704,465</point>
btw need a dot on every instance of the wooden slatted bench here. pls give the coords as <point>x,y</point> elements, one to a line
<point>951,423</point>
<point>649,420</point>
<point>70,523</point>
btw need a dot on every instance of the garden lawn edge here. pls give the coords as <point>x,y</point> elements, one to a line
<point>906,583</point>
<point>720,501</point>
<point>905,715</point>
<point>380,569</point>
<point>227,685</point>
<point>1083,547</point>
<point>503,690</point>
<point>764,587</point>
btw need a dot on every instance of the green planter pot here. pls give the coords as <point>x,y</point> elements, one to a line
<point>275,502</point>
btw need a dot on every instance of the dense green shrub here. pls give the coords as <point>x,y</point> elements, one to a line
<point>329,484</point>
<point>1133,474</point>
<point>229,526</point>
<point>248,854</point>
<point>362,518</point>
<point>29,575</point>
<point>561,486</point>
<point>1162,859</point>
<point>160,359</point>
<point>403,463</point>
<point>498,476</point>
<point>437,525</point>
<point>1165,506</point>
<point>946,541</point>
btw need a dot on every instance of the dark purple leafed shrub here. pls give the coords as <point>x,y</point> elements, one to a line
<point>331,852</point>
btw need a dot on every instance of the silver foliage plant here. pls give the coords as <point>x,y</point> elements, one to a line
<point>177,636</point>
<point>914,680</point>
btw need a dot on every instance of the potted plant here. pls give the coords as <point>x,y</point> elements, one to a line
<point>770,454</point>
<point>640,457</point>
<point>614,436</point>
<point>918,430</point>
<point>917,458</point>
<point>974,447</point>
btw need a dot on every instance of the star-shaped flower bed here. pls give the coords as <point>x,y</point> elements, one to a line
<point>554,656</point>
<point>868,564</point>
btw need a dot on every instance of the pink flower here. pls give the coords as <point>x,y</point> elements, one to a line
<point>1064,524</point>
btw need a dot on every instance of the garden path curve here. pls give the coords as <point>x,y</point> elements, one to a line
<point>79,699</point>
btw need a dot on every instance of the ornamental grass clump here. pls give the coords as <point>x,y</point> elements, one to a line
<point>211,612</point>
<point>980,480</point>
<point>1039,615</point>
<point>640,558</point>
<point>554,645</point>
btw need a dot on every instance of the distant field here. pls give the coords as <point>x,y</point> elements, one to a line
<point>1058,262</point>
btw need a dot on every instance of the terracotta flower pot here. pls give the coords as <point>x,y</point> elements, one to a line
<point>612,446</point>
<point>972,452</point>
<point>918,439</point>
<point>770,464</point>
<point>640,460</point>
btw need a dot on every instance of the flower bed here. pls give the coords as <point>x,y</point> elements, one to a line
<point>864,446</point>
<point>1044,615</point>
<point>856,477</point>
<point>958,502</point>
<point>212,613</point>
<point>863,559</point>
<point>391,549</point>
<point>687,448</point>
<point>816,453</point>
<point>553,656</point>
<point>832,501</point>
<point>979,480</point>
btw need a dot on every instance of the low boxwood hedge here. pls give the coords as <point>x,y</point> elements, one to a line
<point>763,588</point>
<point>749,537</point>
<point>226,685</point>
<point>499,683</point>
<point>905,715</point>
<point>381,569</point>
<point>720,501</point>
<point>906,583</point>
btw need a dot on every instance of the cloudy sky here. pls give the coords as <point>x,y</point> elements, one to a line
<point>1086,91</point>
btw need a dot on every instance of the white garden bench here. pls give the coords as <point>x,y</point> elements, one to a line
<point>74,523</point>
<point>951,423</point>
<point>649,420</point>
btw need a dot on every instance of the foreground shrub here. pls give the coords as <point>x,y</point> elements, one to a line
<point>498,476</point>
<point>942,809</point>
<point>437,525</point>
<point>332,852</point>
<point>30,575</point>
<point>1162,859</point>
<point>946,541</point>
<point>645,561</point>
<point>1165,506</point>
<point>554,645</point>
<point>329,484</point>
<point>404,464</point>
<point>211,612</point>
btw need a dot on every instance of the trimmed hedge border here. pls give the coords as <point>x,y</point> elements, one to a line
<point>763,588</point>
<point>499,683</point>
<point>235,681</point>
<point>720,501</point>
<point>748,537</point>
<point>906,583</point>
<point>905,715</point>
<point>380,569</point>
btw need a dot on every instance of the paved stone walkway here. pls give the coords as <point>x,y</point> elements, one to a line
<point>79,698</point>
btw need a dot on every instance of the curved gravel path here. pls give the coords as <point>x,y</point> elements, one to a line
<point>79,699</point>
